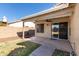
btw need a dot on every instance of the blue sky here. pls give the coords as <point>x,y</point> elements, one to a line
<point>17,10</point>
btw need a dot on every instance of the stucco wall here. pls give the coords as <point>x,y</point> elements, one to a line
<point>6,32</point>
<point>75,29</point>
<point>47,30</point>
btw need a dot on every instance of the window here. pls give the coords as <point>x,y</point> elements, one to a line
<point>40,28</point>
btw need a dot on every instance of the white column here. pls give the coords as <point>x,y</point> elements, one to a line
<point>23,31</point>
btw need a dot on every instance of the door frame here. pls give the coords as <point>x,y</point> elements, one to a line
<point>58,35</point>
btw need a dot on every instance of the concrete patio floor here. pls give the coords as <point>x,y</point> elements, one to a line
<point>49,45</point>
<point>43,50</point>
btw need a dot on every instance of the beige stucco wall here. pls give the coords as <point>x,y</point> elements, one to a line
<point>47,26</point>
<point>47,30</point>
<point>75,29</point>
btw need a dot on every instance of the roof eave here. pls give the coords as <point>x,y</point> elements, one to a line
<point>70,5</point>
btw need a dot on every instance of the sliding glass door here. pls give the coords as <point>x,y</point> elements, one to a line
<point>60,30</point>
<point>63,30</point>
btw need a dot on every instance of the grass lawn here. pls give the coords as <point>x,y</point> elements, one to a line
<point>17,48</point>
<point>60,53</point>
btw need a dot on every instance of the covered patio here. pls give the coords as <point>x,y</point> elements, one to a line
<point>46,19</point>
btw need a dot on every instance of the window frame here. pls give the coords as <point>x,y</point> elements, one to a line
<point>40,28</point>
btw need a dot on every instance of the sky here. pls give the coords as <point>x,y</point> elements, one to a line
<point>14,11</point>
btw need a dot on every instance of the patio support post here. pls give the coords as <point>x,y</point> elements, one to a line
<point>23,30</point>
